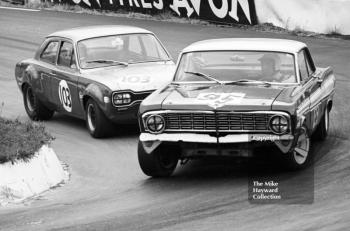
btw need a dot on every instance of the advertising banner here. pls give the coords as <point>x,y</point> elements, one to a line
<point>223,11</point>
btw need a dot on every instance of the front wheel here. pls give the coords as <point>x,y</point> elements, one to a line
<point>96,122</point>
<point>161,162</point>
<point>300,156</point>
<point>34,108</point>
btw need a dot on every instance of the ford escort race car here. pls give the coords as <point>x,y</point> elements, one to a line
<point>98,73</point>
<point>231,97</point>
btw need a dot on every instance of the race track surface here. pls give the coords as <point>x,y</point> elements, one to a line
<point>108,191</point>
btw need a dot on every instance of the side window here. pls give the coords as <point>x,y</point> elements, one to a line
<point>303,69</point>
<point>50,52</point>
<point>66,56</point>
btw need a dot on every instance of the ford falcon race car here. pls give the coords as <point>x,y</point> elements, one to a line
<point>98,73</point>
<point>231,97</point>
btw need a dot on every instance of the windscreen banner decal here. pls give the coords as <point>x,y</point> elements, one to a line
<point>225,11</point>
<point>216,100</point>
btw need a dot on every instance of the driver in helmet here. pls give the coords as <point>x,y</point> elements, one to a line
<point>271,69</point>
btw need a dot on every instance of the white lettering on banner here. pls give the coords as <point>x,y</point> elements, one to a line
<point>135,1</point>
<point>181,4</point>
<point>234,9</point>
<point>87,2</point>
<point>219,12</point>
<point>146,4</point>
<point>158,4</point>
<point>196,5</point>
<point>191,6</point>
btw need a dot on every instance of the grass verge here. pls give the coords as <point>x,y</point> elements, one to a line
<point>20,140</point>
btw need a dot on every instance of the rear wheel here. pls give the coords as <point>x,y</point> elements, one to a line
<point>34,108</point>
<point>321,132</point>
<point>300,156</point>
<point>160,162</point>
<point>96,121</point>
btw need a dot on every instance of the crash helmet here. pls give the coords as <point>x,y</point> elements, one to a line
<point>276,60</point>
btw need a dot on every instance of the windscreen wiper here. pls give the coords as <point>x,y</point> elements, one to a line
<point>114,62</point>
<point>208,77</point>
<point>244,81</point>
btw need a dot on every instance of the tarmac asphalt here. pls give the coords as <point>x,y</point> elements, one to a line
<point>108,191</point>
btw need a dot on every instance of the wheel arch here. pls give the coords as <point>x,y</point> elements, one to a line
<point>97,93</point>
<point>85,100</point>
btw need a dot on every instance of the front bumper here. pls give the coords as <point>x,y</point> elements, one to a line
<point>127,115</point>
<point>152,141</point>
<point>205,138</point>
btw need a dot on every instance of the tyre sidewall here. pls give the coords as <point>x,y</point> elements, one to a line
<point>151,163</point>
<point>290,159</point>
<point>101,123</point>
<point>31,113</point>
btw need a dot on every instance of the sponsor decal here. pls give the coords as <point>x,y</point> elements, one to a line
<point>65,96</point>
<point>216,100</point>
<point>228,11</point>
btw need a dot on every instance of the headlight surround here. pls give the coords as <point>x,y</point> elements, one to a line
<point>121,99</point>
<point>279,124</point>
<point>155,124</point>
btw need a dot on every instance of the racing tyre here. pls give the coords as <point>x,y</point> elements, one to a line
<point>322,129</point>
<point>34,108</point>
<point>96,121</point>
<point>300,156</point>
<point>159,163</point>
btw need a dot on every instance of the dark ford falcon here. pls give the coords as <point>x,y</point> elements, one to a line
<point>230,97</point>
<point>99,73</point>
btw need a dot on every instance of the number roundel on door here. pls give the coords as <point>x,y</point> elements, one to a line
<point>65,96</point>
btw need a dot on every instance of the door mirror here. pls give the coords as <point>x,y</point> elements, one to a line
<point>318,80</point>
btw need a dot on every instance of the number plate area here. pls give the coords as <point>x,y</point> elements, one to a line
<point>199,150</point>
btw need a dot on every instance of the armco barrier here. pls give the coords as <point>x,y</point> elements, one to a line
<point>223,11</point>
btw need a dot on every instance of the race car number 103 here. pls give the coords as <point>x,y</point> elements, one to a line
<point>64,95</point>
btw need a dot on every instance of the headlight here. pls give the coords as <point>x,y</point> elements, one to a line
<point>279,124</point>
<point>155,123</point>
<point>120,99</point>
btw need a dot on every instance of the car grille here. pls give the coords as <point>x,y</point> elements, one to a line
<point>220,121</point>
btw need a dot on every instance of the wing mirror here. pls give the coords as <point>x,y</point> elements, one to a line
<point>318,79</point>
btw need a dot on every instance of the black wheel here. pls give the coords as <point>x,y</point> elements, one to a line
<point>300,156</point>
<point>96,121</point>
<point>34,108</point>
<point>323,127</point>
<point>159,163</point>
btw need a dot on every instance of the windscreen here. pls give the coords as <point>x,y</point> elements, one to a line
<point>130,48</point>
<point>237,65</point>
